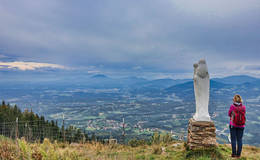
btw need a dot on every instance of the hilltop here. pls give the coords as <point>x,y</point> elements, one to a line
<point>11,150</point>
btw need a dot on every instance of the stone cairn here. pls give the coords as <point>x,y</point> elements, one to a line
<point>201,134</point>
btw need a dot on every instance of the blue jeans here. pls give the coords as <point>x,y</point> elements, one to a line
<point>236,139</point>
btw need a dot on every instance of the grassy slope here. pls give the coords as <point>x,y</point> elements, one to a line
<point>10,149</point>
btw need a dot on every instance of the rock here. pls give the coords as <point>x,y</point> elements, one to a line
<point>211,129</point>
<point>163,149</point>
<point>201,123</point>
<point>176,144</point>
<point>201,134</point>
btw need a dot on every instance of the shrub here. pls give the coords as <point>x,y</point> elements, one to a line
<point>36,155</point>
<point>7,151</point>
<point>25,150</point>
<point>48,150</point>
<point>167,138</point>
<point>157,149</point>
<point>161,138</point>
<point>155,138</point>
<point>133,142</point>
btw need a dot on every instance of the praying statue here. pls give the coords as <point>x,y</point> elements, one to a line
<point>201,90</point>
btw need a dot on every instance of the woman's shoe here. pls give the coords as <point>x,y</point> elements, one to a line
<point>233,155</point>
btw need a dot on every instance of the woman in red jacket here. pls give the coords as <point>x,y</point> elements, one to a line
<point>237,124</point>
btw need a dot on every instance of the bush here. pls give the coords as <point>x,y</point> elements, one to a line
<point>157,149</point>
<point>155,138</point>
<point>36,155</point>
<point>134,142</point>
<point>48,150</point>
<point>166,138</point>
<point>25,150</point>
<point>7,151</point>
<point>161,138</point>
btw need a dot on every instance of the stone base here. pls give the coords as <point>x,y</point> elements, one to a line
<point>201,134</point>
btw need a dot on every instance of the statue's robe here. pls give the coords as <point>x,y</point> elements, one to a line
<point>201,90</point>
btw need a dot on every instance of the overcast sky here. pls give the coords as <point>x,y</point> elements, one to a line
<point>149,37</point>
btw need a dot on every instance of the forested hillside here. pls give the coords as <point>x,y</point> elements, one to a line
<point>15,124</point>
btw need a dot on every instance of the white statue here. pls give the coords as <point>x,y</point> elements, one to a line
<point>201,90</point>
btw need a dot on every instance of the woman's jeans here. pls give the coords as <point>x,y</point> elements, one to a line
<point>236,139</point>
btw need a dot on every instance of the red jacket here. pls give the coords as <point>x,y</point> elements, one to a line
<point>231,109</point>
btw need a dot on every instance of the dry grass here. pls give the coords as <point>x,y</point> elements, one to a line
<point>11,150</point>
<point>248,152</point>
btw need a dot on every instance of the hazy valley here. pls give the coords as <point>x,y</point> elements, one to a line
<point>98,104</point>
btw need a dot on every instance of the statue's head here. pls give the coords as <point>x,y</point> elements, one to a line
<point>201,69</point>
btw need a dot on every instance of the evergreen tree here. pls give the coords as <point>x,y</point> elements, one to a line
<point>35,127</point>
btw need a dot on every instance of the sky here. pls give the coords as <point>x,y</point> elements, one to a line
<point>150,38</point>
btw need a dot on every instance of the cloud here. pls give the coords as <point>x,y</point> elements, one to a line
<point>29,65</point>
<point>93,71</point>
<point>253,67</point>
<point>137,68</point>
<point>2,56</point>
<point>158,36</point>
<point>231,67</point>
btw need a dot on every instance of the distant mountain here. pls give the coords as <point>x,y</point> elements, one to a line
<point>217,85</point>
<point>163,83</point>
<point>186,90</point>
<point>133,80</point>
<point>239,79</point>
<point>218,91</point>
<point>187,86</point>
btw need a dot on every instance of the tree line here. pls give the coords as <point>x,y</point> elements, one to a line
<point>15,123</point>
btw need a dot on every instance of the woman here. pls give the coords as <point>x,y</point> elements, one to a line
<point>237,124</point>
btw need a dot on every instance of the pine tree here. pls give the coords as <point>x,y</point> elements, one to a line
<point>35,127</point>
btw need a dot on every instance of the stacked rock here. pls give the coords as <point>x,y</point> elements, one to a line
<point>201,134</point>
